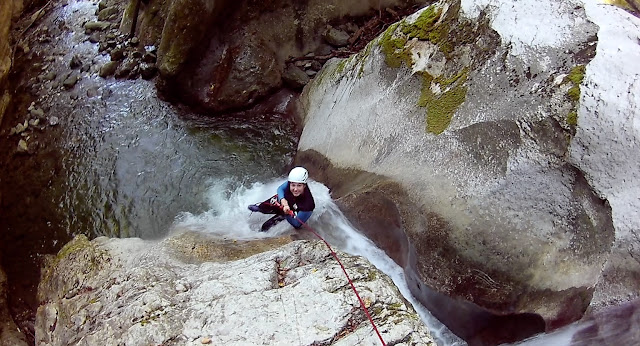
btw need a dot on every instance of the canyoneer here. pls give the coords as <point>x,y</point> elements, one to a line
<point>293,202</point>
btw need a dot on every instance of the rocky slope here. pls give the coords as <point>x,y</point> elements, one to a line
<point>483,131</point>
<point>191,290</point>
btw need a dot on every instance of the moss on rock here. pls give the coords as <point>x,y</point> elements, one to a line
<point>424,25</point>
<point>572,118</point>
<point>441,106</point>
<point>575,77</point>
<point>440,25</point>
<point>394,47</point>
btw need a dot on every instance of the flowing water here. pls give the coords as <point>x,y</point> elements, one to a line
<point>123,163</point>
<point>228,217</point>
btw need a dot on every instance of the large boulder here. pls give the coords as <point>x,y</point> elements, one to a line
<point>469,115</point>
<point>191,290</point>
<point>204,46</point>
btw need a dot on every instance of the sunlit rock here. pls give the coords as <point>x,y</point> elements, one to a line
<point>130,291</point>
<point>475,109</point>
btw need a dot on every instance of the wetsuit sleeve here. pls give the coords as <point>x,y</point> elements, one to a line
<point>302,216</point>
<point>281,189</point>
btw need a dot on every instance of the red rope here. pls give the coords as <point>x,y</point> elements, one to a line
<point>366,311</point>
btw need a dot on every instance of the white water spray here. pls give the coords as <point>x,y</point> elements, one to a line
<point>229,218</point>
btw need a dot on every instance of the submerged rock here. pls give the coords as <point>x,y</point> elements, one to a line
<point>110,291</point>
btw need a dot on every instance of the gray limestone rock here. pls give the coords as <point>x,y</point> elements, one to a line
<point>477,128</point>
<point>129,291</point>
<point>335,37</point>
<point>109,69</point>
<point>96,26</point>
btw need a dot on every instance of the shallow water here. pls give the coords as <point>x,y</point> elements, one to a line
<point>120,161</point>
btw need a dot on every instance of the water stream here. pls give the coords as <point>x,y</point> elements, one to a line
<point>228,217</point>
<point>123,163</point>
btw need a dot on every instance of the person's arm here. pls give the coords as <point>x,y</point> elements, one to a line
<point>281,189</point>
<point>283,201</point>
<point>303,216</point>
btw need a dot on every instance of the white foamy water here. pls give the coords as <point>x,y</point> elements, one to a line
<point>229,218</point>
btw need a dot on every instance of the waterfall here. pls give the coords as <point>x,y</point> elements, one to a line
<point>229,218</point>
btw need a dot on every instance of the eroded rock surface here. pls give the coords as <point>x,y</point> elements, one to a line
<point>111,291</point>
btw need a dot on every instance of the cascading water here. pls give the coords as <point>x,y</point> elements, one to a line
<point>229,218</point>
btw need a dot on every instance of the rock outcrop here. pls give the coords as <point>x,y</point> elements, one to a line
<point>220,56</point>
<point>469,123</point>
<point>8,11</point>
<point>190,290</point>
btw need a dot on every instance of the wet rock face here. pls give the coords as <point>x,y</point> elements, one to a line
<point>190,290</point>
<point>6,13</point>
<point>476,129</point>
<point>249,71</point>
<point>223,55</point>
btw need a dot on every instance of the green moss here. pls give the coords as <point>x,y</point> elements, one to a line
<point>574,93</point>
<point>372,275</point>
<point>78,243</point>
<point>395,306</point>
<point>394,40</point>
<point>363,58</point>
<point>440,110</point>
<point>341,66</point>
<point>572,118</point>
<point>394,47</point>
<point>576,75</point>
<point>442,106</point>
<point>424,24</point>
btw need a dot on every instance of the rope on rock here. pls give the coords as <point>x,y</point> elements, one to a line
<point>364,307</point>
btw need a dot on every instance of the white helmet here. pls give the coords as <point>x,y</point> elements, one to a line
<point>298,175</point>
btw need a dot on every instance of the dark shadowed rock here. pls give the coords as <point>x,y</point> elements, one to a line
<point>336,37</point>
<point>75,62</point>
<point>127,69</point>
<point>294,77</point>
<point>71,80</point>
<point>148,70</point>
<point>108,68</point>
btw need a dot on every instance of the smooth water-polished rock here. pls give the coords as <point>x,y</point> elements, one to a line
<point>467,114</point>
<point>184,290</point>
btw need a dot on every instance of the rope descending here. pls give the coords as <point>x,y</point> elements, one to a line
<point>366,311</point>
